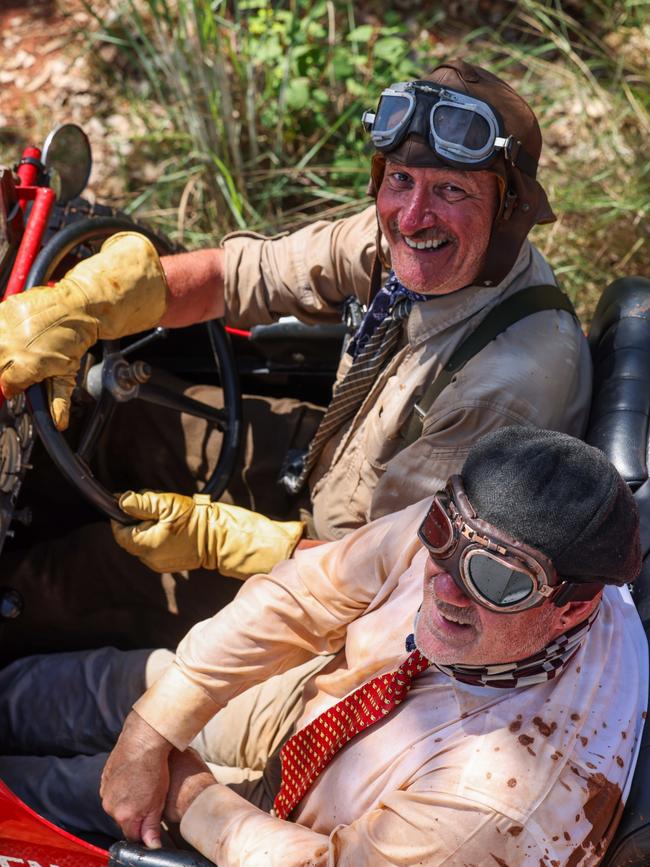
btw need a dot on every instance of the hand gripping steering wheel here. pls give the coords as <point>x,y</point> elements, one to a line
<point>119,378</point>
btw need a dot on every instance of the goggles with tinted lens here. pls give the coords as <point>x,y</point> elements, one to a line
<point>488,565</point>
<point>463,131</point>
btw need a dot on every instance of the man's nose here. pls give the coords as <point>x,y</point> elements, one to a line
<point>446,589</point>
<point>419,212</point>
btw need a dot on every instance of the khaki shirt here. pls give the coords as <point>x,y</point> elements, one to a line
<point>531,775</point>
<point>537,372</point>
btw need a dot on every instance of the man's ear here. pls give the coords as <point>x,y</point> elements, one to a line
<point>575,612</point>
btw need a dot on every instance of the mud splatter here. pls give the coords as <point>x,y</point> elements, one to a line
<point>566,786</point>
<point>583,740</point>
<point>499,861</point>
<point>603,811</point>
<point>514,726</point>
<point>576,857</point>
<point>512,783</point>
<point>575,716</point>
<point>525,740</point>
<point>515,831</point>
<point>620,762</point>
<point>567,836</point>
<point>544,728</point>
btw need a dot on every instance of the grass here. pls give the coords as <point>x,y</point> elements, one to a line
<point>252,109</point>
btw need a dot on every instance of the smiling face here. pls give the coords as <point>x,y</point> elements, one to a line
<point>437,223</point>
<point>452,628</point>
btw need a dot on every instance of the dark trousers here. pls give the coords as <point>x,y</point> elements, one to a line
<point>80,590</point>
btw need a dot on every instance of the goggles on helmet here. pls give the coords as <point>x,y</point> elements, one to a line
<point>491,567</point>
<point>463,131</point>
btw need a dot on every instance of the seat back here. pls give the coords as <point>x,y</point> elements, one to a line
<point>619,339</point>
<point>619,425</point>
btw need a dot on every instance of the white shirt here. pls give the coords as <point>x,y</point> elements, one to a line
<point>456,775</point>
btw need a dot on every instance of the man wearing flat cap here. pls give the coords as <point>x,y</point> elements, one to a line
<point>444,248</point>
<point>484,705</point>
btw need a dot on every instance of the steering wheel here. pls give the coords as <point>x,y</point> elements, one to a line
<point>117,380</point>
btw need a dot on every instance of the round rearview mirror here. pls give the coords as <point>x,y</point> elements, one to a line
<point>67,152</point>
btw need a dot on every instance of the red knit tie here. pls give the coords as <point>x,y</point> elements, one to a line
<point>310,750</point>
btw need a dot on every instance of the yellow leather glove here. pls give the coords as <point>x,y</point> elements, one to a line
<point>44,332</point>
<point>180,532</point>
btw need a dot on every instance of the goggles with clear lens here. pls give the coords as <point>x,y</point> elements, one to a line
<point>490,566</point>
<point>463,131</point>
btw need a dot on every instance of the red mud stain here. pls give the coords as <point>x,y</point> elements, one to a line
<point>619,761</point>
<point>544,728</point>
<point>514,726</point>
<point>578,669</point>
<point>512,783</point>
<point>583,740</point>
<point>555,838</point>
<point>532,752</point>
<point>515,831</point>
<point>576,857</point>
<point>566,786</point>
<point>496,749</point>
<point>556,755</point>
<point>603,811</point>
<point>488,776</point>
<point>624,735</point>
<point>575,716</point>
<point>437,740</point>
<point>591,765</point>
<point>499,861</point>
<point>525,740</point>
<point>567,836</point>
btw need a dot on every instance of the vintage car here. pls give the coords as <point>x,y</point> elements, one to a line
<point>42,231</point>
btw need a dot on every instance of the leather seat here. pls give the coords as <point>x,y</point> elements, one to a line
<point>619,339</point>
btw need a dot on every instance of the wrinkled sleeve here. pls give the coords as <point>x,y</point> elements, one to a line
<point>277,621</point>
<point>307,273</point>
<point>412,827</point>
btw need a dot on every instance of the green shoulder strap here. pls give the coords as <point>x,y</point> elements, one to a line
<point>524,303</point>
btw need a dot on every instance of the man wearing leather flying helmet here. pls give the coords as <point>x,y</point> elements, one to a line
<point>456,195</point>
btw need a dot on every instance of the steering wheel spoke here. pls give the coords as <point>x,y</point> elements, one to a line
<point>173,398</point>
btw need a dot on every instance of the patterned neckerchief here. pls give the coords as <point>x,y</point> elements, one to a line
<point>538,668</point>
<point>382,305</point>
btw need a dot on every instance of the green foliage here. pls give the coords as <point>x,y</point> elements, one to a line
<point>252,110</point>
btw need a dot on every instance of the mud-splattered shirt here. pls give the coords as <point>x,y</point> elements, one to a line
<point>457,775</point>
